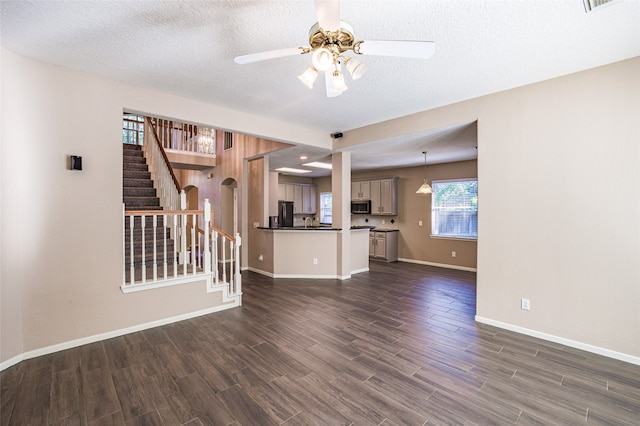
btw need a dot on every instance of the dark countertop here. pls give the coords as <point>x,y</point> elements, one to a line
<point>386,230</point>
<point>318,228</point>
<point>302,228</point>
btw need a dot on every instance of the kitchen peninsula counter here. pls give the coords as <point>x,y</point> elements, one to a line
<point>312,252</point>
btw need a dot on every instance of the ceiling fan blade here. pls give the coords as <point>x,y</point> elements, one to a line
<point>398,48</point>
<point>328,12</point>
<point>270,54</point>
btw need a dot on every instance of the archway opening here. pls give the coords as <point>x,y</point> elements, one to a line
<point>229,206</point>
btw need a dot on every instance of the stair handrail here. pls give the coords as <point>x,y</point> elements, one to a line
<point>165,181</point>
<point>154,133</point>
<point>213,228</point>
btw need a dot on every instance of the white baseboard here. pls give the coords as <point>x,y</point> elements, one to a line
<point>556,339</point>
<point>115,333</point>
<point>439,265</point>
<point>316,277</point>
<point>11,362</point>
<point>259,271</point>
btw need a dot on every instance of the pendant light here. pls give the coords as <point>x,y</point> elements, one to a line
<point>425,188</point>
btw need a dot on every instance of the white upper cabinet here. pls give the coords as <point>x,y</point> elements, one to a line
<point>384,196</point>
<point>361,190</point>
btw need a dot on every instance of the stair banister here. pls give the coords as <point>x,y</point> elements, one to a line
<point>165,180</point>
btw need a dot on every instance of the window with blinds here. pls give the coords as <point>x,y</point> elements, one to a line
<point>454,209</point>
<point>326,208</point>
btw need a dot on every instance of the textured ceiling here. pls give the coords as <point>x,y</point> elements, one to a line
<point>187,48</point>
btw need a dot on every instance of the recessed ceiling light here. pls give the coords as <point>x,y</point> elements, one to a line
<point>319,165</point>
<point>303,157</point>
<point>291,170</point>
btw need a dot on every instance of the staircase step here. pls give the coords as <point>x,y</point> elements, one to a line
<point>161,232</point>
<point>141,201</point>
<point>148,221</point>
<point>133,157</point>
<point>159,269</point>
<point>135,174</point>
<point>137,261</point>
<point>138,192</point>
<point>139,167</point>
<point>134,208</point>
<point>137,183</point>
<point>148,250</point>
<point>131,147</point>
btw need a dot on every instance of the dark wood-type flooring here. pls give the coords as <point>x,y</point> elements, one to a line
<point>394,346</point>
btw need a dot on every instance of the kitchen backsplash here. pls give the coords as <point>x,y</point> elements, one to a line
<point>386,222</point>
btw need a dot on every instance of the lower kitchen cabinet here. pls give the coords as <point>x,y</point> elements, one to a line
<point>383,245</point>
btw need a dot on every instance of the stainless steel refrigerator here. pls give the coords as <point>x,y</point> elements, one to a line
<point>285,213</point>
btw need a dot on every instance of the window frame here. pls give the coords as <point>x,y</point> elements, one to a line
<point>462,237</point>
<point>322,215</point>
<point>138,131</point>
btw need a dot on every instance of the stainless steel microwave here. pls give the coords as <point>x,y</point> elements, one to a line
<point>361,207</point>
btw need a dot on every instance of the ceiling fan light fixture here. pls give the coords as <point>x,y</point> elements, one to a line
<point>355,67</point>
<point>309,77</point>
<point>322,59</point>
<point>337,82</point>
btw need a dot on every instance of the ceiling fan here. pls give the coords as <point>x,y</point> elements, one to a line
<point>329,40</point>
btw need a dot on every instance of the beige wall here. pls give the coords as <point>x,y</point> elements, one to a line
<point>61,266</point>
<point>558,170</point>
<point>558,175</point>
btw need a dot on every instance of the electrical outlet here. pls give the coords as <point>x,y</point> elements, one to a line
<point>315,261</point>
<point>453,254</point>
<point>256,224</point>
<point>525,304</point>
<point>419,223</point>
<point>383,221</point>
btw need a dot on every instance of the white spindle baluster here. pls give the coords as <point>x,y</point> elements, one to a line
<point>231,284</point>
<point>144,261</point>
<point>124,244</point>
<point>164,249</point>
<point>132,272</point>
<point>215,247</point>
<point>237,266</point>
<point>183,242</point>
<point>175,245</point>
<point>224,260</point>
<point>205,238</point>
<point>155,254</point>
<point>193,243</point>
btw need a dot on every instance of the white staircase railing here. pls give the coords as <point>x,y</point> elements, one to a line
<point>176,136</point>
<point>168,250</point>
<point>164,181</point>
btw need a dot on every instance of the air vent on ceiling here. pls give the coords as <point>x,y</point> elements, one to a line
<point>591,5</point>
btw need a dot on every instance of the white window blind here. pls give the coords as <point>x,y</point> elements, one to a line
<point>326,206</point>
<point>454,208</point>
